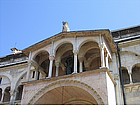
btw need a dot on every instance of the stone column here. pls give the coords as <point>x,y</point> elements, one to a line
<point>57,64</point>
<point>2,96</point>
<point>75,61</point>
<point>130,76</point>
<point>51,58</point>
<point>29,67</point>
<point>102,57</point>
<point>37,73</point>
<point>13,96</point>
<point>81,59</point>
<point>107,61</point>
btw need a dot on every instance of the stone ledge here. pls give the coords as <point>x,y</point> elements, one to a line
<point>72,75</point>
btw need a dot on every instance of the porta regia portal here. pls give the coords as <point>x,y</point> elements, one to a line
<point>89,67</point>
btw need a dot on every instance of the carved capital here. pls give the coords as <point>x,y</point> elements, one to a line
<point>75,52</point>
<point>51,58</point>
<point>57,63</point>
<point>101,45</point>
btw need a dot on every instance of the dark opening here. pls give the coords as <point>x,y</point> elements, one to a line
<point>0,94</point>
<point>19,92</point>
<point>33,76</point>
<point>125,75</point>
<point>0,80</point>
<point>69,65</point>
<point>6,95</point>
<point>136,74</point>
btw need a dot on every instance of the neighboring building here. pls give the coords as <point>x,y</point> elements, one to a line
<point>96,67</point>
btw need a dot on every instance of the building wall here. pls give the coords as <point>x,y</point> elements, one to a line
<point>12,77</point>
<point>130,57</point>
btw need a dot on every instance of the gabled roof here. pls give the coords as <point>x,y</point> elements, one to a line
<point>104,32</point>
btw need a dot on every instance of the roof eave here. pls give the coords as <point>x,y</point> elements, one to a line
<point>104,32</point>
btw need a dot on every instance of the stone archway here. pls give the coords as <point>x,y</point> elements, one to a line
<point>89,56</point>
<point>64,59</point>
<point>67,92</point>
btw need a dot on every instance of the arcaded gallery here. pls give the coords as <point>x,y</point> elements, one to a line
<point>89,67</point>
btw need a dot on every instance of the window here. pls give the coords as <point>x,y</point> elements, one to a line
<point>126,79</point>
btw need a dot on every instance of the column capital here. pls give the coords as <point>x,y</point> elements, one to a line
<point>129,69</point>
<point>75,52</point>
<point>101,46</point>
<point>30,62</point>
<point>129,72</point>
<point>51,58</point>
<point>57,63</point>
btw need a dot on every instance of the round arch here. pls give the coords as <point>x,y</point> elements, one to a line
<point>89,49</point>
<point>19,77</point>
<point>8,76</point>
<point>60,44</point>
<point>67,83</point>
<point>137,64</point>
<point>60,54</point>
<point>39,52</point>
<point>42,59</point>
<point>65,57</point>
<point>85,41</point>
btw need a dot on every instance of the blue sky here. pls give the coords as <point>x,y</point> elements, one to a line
<point>25,22</point>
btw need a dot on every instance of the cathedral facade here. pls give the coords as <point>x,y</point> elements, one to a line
<point>91,67</point>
